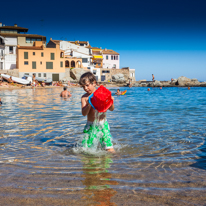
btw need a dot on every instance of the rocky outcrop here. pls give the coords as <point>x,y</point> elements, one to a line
<point>155,84</point>
<point>118,78</point>
<point>136,84</point>
<point>183,81</point>
<point>76,73</point>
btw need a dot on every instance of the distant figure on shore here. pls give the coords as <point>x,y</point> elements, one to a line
<point>10,80</point>
<point>148,89</point>
<point>0,102</point>
<point>65,93</point>
<point>153,77</point>
<point>172,79</point>
<point>33,81</point>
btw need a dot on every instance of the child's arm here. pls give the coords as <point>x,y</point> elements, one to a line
<point>112,107</point>
<point>85,106</point>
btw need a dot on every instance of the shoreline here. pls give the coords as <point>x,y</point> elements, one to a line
<point>106,85</point>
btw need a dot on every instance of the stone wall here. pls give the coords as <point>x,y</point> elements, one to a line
<point>11,72</point>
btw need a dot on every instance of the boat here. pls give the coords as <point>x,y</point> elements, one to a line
<point>16,79</point>
<point>40,79</point>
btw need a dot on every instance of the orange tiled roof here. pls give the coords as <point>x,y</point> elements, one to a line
<point>56,41</point>
<point>22,35</point>
<point>109,51</point>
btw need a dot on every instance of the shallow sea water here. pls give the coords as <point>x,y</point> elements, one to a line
<point>159,137</point>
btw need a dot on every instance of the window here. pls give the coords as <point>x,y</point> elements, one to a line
<point>84,60</point>
<point>116,57</point>
<point>26,74</point>
<point>94,72</point>
<point>114,65</point>
<point>39,74</point>
<point>33,65</point>
<point>11,50</point>
<point>111,57</point>
<point>107,57</point>
<point>44,74</point>
<point>52,56</point>
<point>105,71</point>
<point>40,62</point>
<point>49,65</point>
<point>31,40</point>
<point>42,54</point>
<point>33,53</point>
<point>26,63</point>
<point>61,64</point>
<point>25,55</point>
<point>99,64</point>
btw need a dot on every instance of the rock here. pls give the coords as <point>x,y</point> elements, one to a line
<point>136,84</point>
<point>118,78</point>
<point>66,79</point>
<point>183,81</point>
<point>76,73</point>
<point>155,84</point>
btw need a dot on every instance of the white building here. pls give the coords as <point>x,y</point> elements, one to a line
<point>10,37</point>
<point>79,50</point>
<point>110,59</point>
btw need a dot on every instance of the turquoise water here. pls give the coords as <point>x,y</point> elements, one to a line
<point>159,138</point>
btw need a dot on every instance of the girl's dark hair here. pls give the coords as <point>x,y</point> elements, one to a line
<point>88,76</point>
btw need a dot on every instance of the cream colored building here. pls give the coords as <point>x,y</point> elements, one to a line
<point>48,63</point>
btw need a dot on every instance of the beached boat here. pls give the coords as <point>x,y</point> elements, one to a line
<point>40,79</point>
<point>16,79</point>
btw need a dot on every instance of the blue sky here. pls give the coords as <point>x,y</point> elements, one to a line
<point>163,37</point>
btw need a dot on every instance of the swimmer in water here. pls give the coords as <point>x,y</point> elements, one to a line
<point>118,92</point>
<point>88,83</point>
<point>65,93</point>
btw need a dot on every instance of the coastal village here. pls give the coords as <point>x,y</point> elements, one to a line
<point>23,54</point>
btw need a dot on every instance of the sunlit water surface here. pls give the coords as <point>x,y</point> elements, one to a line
<point>159,137</point>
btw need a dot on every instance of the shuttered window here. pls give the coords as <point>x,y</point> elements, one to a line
<point>26,55</point>
<point>33,65</point>
<point>49,65</point>
<point>61,64</point>
<point>42,54</point>
<point>52,56</point>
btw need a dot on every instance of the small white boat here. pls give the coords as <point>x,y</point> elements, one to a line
<point>16,79</point>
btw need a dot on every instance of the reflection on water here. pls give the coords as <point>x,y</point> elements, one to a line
<point>159,137</point>
<point>97,180</point>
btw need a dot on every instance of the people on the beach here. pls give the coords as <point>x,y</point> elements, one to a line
<point>0,102</point>
<point>153,77</point>
<point>10,80</point>
<point>65,93</point>
<point>88,83</point>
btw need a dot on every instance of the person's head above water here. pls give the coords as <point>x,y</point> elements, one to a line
<point>65,88</point>
<point>118,90</point>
